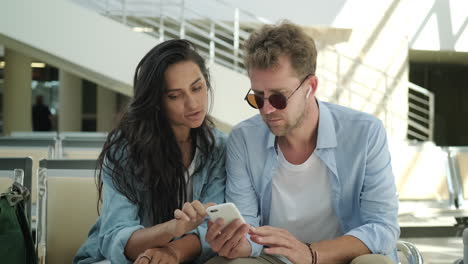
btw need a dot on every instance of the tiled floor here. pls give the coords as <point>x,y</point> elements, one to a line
<point>428,219</point>
<point>440,250</point>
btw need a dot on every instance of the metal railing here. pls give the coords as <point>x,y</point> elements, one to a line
<point>420,113</point>
<point>218,39</point>
<point>376,99</point>
<point>221,41</point>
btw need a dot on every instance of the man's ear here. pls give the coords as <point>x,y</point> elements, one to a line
<point>313,84</point>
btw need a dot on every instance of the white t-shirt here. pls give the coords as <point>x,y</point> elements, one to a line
<point>301,200</point>
<point>188,178</point>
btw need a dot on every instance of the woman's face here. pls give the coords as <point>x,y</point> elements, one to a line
<point>186,97</point>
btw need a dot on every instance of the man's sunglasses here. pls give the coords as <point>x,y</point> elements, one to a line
<point>277,100</point>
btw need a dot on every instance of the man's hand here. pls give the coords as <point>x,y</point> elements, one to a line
<point>163,255</point>
<point>281,242</point>
<point>187,219</point>
<point>230,241</point>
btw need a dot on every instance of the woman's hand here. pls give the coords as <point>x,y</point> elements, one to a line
<point>163,255</point>
<point>187,219</point>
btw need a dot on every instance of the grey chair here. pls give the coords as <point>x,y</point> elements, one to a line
<point>35,147</point>
<point>67,208</point>
<point>35,134</point>
<point>465,248</point>
<point>81,145</point>
<point>19,170</point>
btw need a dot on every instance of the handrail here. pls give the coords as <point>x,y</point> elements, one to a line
<point>248,13</point>
<point>420,117</point>
<point>341,55</point>
<point>220,42</point>
<point>416,98</point>
<point>420,89</point>
<point>223,39</point>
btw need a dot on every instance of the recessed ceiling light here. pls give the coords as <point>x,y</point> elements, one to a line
<point>33,64</point>
<point>38,65</point>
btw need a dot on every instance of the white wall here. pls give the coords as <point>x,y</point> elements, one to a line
<point>230,89</point>
<point>428,24</point>
<point>96,48</point>
<point>438,25</point>
<point>75,39</point>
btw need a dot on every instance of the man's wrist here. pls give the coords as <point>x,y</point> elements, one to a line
<point>246,250</point>
<point>175,252</point>
<point>313,253</point>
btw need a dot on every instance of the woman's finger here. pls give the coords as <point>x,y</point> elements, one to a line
<point>179,215</point>
<point>208,205</point>
<point>143,258</point>
<point>190,211</point>
<point>199,208</point>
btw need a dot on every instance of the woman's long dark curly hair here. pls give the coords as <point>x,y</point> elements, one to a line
<point>141,154</point>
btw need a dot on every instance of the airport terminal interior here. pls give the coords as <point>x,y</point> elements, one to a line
<point>403,61</point>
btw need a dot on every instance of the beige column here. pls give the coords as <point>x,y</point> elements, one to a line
<point>70,102</point>
<point>106,109</point>
<point>17,106</point>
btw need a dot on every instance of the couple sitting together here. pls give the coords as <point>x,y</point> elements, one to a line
<point>312,180</point>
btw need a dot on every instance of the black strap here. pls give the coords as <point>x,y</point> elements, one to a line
<point>28,241</point>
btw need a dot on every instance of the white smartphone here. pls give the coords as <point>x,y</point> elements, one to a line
<point>227,211</point>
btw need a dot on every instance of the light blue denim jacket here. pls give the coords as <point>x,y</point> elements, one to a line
<point>352,145</point>
<point>119,217</point>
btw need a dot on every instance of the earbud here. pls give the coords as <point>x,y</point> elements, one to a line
<point>308,93</point>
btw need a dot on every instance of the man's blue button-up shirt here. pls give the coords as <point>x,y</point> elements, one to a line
<point>352,145</point>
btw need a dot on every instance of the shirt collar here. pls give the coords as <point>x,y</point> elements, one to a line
<point>326,129</point>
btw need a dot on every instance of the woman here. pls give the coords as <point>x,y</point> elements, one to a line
<point>160,167</point>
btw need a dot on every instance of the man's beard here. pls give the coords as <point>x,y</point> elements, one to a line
<point>283,130</point>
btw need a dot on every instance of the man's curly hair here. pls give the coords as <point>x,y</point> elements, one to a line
<point>266,45</point>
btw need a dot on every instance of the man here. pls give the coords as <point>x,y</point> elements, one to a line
<point>41,116</point>
<point>313,180</point>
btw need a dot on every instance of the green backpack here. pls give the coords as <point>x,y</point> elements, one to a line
<point>16,244</point>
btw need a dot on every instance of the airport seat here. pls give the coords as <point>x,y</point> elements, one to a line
<point>16,168</point>
<point>34,134</point>
<point>37,148</point>
<point>67,208</point>
<point>462,162</point>
<point>81,145</point>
